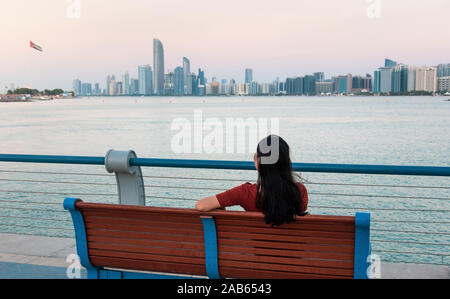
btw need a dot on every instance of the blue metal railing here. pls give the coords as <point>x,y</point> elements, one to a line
<point>237,165</point>
<point>400,230</point>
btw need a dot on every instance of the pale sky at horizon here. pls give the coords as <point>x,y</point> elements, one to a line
<point>275,38</point>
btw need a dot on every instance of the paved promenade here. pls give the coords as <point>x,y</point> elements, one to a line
<point>35,257</point>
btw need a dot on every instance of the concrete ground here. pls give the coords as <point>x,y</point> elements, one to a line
<point>34,257</point>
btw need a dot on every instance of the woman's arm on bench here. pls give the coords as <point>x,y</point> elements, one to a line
<point>208,204</point>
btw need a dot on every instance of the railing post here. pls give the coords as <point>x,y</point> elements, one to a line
<point>130,183</point>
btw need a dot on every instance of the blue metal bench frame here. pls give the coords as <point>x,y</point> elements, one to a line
<point>361,262</point>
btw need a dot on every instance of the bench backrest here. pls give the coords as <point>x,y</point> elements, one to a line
<point>219,244</point>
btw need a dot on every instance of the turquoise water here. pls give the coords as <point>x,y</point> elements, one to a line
<point>349,130</point>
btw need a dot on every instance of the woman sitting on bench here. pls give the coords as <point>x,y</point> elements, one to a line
<point>276,194</point>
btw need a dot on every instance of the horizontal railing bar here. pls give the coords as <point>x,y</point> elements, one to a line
<point>409,221</point>
<point>407,252</point>
<point>378,209</point>
<point>29,209</point>
<point>411,232</point>
<point>58,182</point>
<point>236,165</point>
<point>33,218</point>
<point>408,242</point>
<point>37,227</point>
<point>30,202</point>
<point>58,173</point>
<point>226,179</point>
<point>415,263</point>
<point>57,193</point>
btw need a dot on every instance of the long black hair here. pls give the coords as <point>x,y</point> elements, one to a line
<point>278,195</point>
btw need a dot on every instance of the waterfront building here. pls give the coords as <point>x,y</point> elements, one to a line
<point>443,70</point>
<point>158,66</point>
<point>86,89</point>
<point>119,88</point>
<point>97,90</point>
<point>411,79</point>
<point>324,87</point>
<point>76,87</point>
<point>179,81</point>
<point>254,88</point>
<point>240,89</point>
<point>201,77</point>
<point>319,76</point>
<point>126,83</point>
<point>248,76</point>
<point>134,86</point>
<point>215,87</point>
<point>112,89</point>
<point>266,89</point>
<point>309,85</point>
<point>186,72</point>
<point>426,79</point>
<point>224,87</point>
<point>169,84</point>
<point>444,84</point>
<point>189,84</point>
<point>400,78</point>
<point>145,76</point>
<point>108,83</point>
<point>383,80</point>
<point>389,63</point>
<point>294,86</point>
<point>342,84</point>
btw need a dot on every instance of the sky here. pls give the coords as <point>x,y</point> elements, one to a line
<point>88,39</point>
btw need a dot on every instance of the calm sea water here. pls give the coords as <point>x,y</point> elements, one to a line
<point>350,130</point>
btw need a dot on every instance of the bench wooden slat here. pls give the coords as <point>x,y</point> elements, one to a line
<point>288,253</point>
<point>264,274</point>
<point>151,266</point>
<point>283,238</point>
<point>300,225</point>
<point>124,236</point>
<point>289,232</point>
<point>143,222</point>
<point>150,243</point>
<point>144,229</point>
<point>152,217</point>
<point>199,253</point>
<point>148,257</point>
<point>287,268</point>
<point>290,246</point>
<point>286,260</point>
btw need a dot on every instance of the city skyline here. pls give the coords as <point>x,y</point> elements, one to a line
<point>288,39</point>
<point>392,78</point>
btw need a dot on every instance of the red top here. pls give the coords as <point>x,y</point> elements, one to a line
<point>245,196</point>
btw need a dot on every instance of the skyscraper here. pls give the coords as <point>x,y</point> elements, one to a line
<point>426,79</point>
<point>158,66</point>
<point>400,78</point>
<point>126,84</point>
<point>186,73</point>
<point>309,85</point>
<point>443,70</point>
<point>389,63</point>
<point>319,76</point>
<point>179,81</point>
<point>145,80</point>
<point>383,80</point>
<point>248,76</point>
<point>76,87</point>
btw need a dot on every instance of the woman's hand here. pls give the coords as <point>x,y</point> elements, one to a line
<point>208,204</point>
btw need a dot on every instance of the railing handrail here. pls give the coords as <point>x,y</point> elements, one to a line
<point>236,165</point>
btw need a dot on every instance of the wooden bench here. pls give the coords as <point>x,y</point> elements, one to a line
<point>115,241</point>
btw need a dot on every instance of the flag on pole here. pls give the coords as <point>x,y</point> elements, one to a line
<point>34,46</point>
